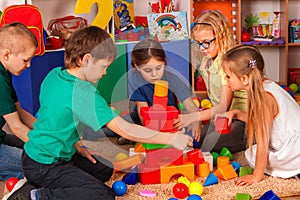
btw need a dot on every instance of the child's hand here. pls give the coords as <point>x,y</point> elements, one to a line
<point>228,115</point>
<point>181,140</point>
<point>195,128</point>
<point>84,152</point>
<point>182,121</point>
<point>247,180</point>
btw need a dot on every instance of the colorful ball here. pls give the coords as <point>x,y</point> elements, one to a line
<point>119,188</point>
<point>205,103</point>
<point>195,188</point>
<point>180,190</point>
<point>121,156</point>
<point>10,183</point>
<point>194,197</point>
<point>294,87</point>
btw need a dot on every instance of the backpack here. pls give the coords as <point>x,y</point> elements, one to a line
<point>28,15</point>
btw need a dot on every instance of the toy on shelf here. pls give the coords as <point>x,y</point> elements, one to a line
<point>161,6</point>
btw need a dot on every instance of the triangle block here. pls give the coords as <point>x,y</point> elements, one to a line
<point>210,180</point>
<point>131,177</point>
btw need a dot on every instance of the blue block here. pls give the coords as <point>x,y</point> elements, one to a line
<point>210,180</point>
<point>269,195</point>
<point>131,177</point>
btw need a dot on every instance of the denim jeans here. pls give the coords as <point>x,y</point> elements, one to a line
<point>77,179</point>
<point>10,162</point>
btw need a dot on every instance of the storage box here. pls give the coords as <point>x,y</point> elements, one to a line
<point>294,75</point>
<point>295,34</point>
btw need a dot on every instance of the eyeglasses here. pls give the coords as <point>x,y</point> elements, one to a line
<point>204,45</point>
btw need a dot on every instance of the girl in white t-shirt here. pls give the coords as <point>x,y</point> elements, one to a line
<point>273,131</point>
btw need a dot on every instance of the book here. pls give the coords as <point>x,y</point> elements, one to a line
<point>264,39</point>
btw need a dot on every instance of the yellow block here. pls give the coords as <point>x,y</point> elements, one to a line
<point>186,169</point>
<point>161,88</point>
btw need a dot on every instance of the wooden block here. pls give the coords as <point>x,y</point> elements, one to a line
<point>227,172</point>
<point>128,162</point>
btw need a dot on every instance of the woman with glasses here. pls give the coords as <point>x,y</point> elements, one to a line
<point>211,38</point>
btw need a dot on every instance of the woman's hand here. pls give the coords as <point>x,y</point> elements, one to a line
<point>183,120</point>
<point>247,180</point>
<point>181,140</point>
<point>82,150</point>
<point>195,128</point>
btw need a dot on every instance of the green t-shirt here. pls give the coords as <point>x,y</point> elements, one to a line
<point>66,102</point>
<point>8,98</point>
<point>214,78</point>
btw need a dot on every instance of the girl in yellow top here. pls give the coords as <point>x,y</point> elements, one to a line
<point>211,39</point>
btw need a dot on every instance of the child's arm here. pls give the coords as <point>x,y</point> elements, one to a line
<point>195,127</point>
<point>27,118</point>
<point>141,134</point>
<point>221,107</point>
<point>139,105</point>
<point>262,146</point>
<point>17,127</point>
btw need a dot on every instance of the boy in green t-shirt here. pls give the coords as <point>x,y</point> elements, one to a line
<point>69,98</point>
<point>17,47</point>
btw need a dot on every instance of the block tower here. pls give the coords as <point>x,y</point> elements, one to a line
<point>162,162</point>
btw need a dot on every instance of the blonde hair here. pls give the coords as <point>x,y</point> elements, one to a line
<point>215,21</point>
<point>247,60</point>
<point>12,34</point>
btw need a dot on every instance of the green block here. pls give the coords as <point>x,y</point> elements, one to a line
<point>245,171</point>
<point>226,152</point>
<point>155,146</point>
<point>241,196</point>
<point>215,156</point>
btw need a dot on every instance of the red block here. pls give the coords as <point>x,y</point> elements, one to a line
<point>164,157</point>
<point>149,175</point>
<point>195,156</point>
<point>162,101</point>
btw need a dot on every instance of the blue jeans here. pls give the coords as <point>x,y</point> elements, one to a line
<point>77,179</point>
<point>10,162</point>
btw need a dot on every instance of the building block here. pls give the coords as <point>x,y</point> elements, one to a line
<point>217,173</point>
<point>222,161</point>
<point>128,162</point>
<point>227,172</point>
<point>236,166</point>
<point>245,171</point>
<point>139,147</point>
<point>162,101</point>
<point>195,156</point>
<point>131,177</point>
<point>225,152</point>
<point>186,169</point>
<point>163,157</point>
<point>161,88</point>
<point>215,156</point>
<point>132,153</point>
<point>208,158</point>
<point>203,169</point>
<point>149,175</point>
<point>242,196</point>
<point>210,180</point>
<point>269,195</point>
<point>155,146</point>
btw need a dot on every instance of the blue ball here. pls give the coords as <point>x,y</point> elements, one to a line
<point>172,198</point>
<point>194,197</point>
<point>119,188</point>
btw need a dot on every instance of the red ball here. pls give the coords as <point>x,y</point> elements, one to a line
<point>10,183</point>
<point>245,37</point>
<point>180,190</point>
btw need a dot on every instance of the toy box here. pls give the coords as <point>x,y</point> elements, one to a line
<point>294,75</point>
<point>295,34</point>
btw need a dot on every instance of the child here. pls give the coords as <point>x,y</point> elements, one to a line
<point>272,131</point>
<point>149,60</point>
<point>17,47</point>
<point>211,38</point>
<point>69,98</point>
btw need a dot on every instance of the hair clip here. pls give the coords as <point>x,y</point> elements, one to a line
<point>252,63</point>
<point>198,23</point>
